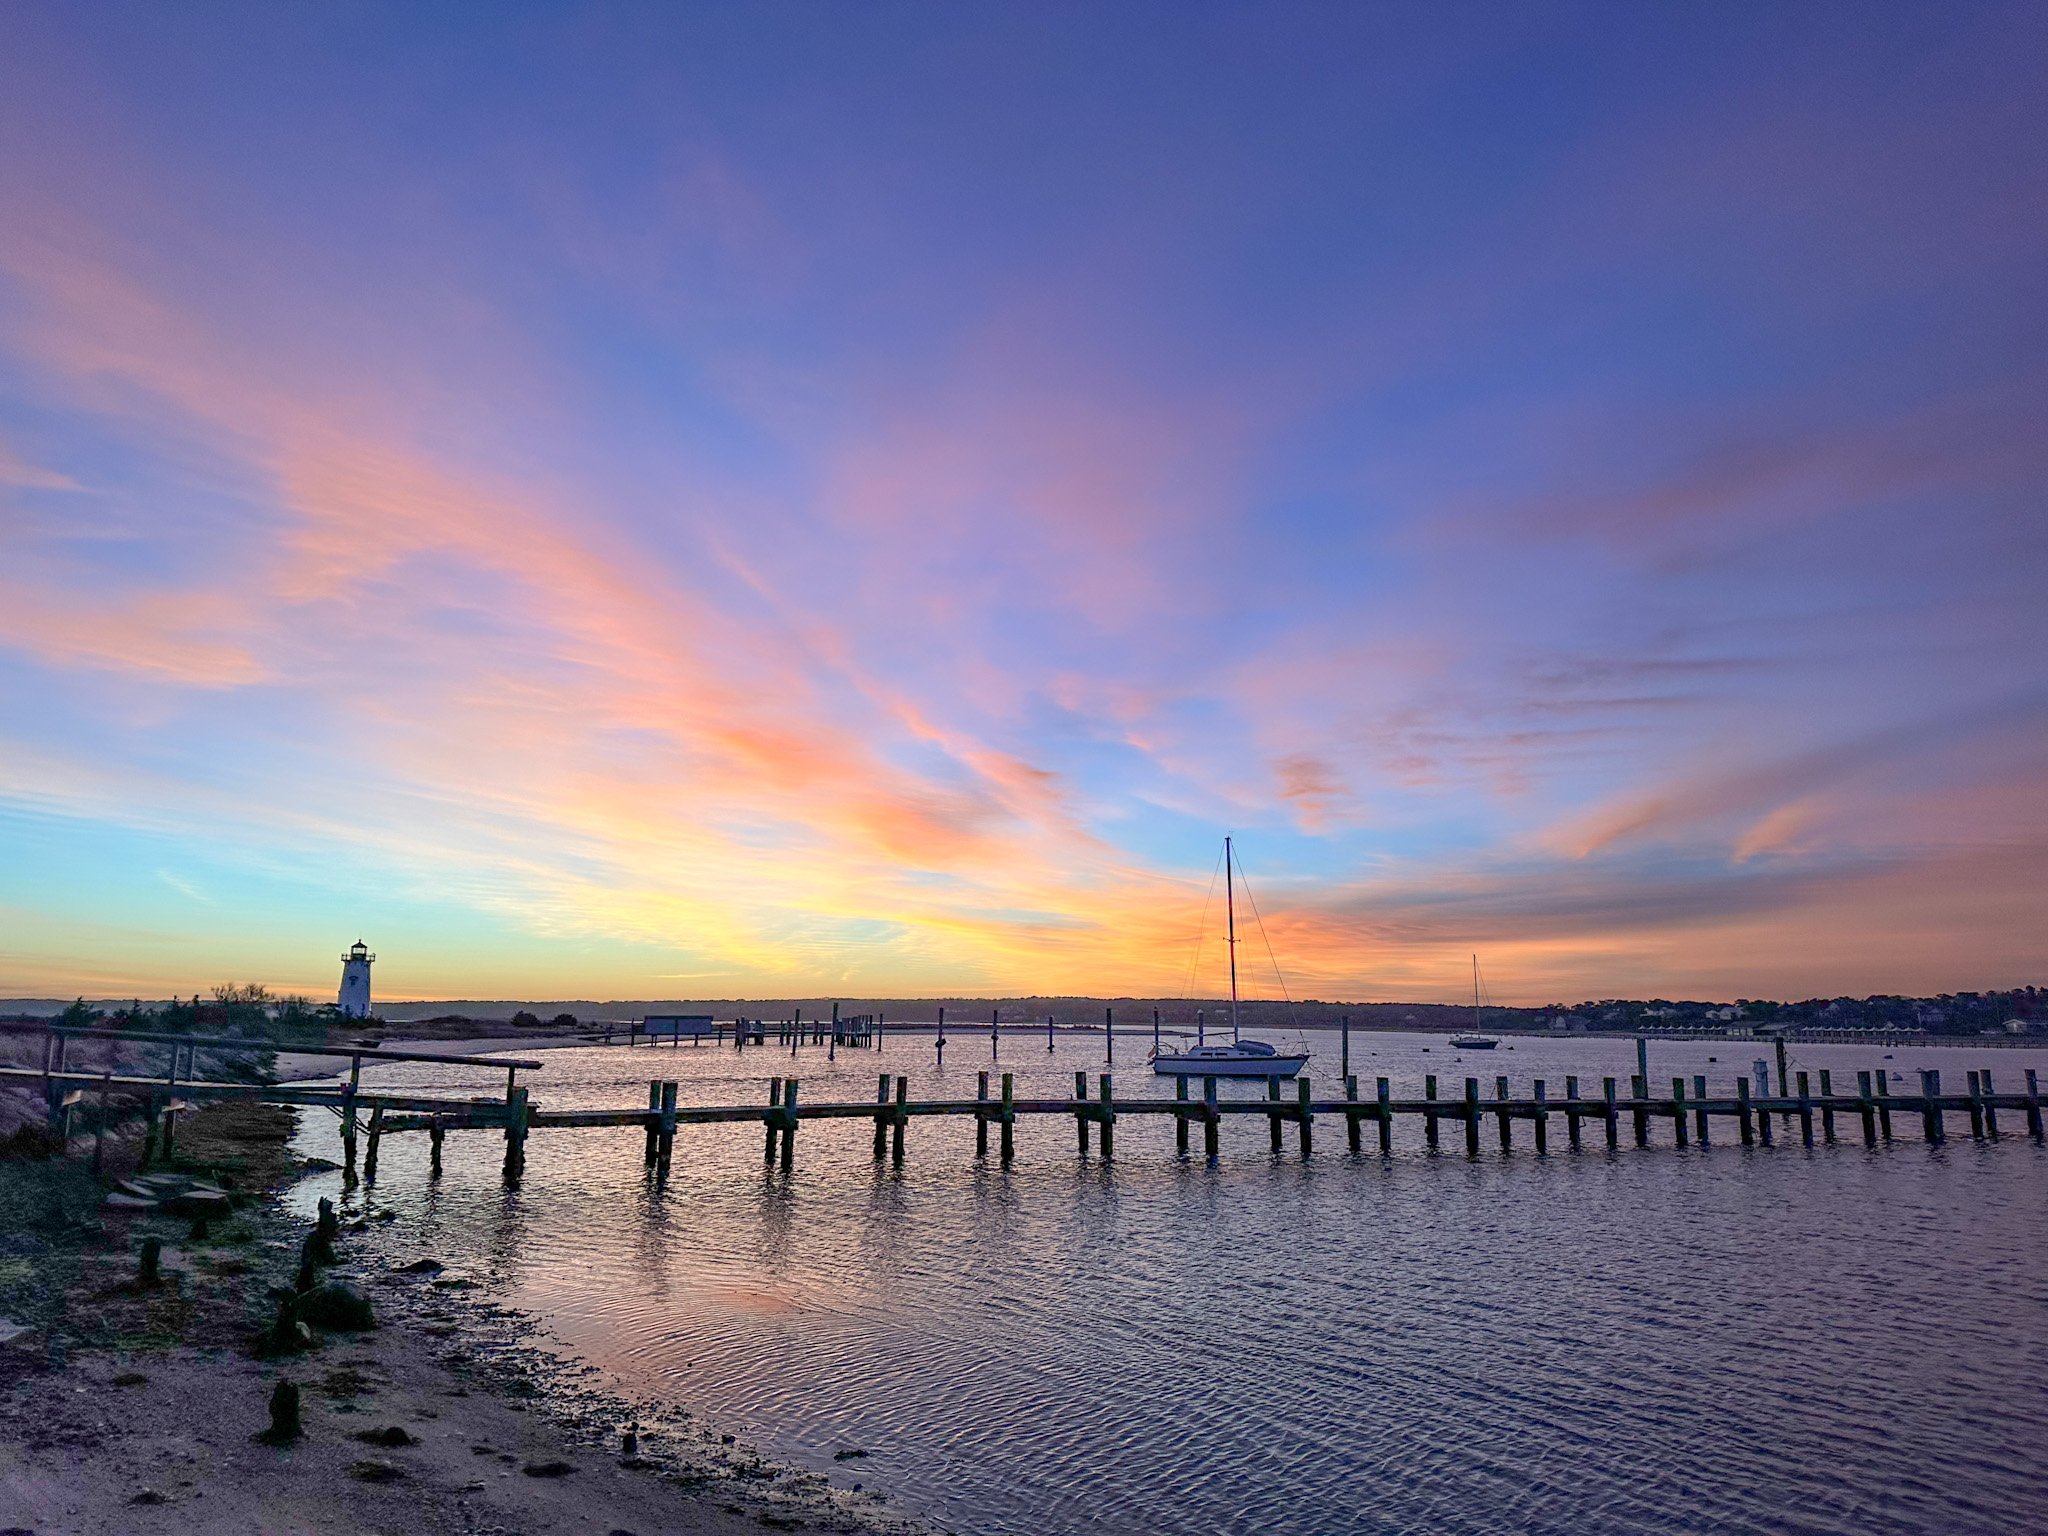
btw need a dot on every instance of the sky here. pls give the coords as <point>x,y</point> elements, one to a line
<point>621,501</point>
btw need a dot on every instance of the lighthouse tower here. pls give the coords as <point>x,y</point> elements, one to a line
<point>355,981</point>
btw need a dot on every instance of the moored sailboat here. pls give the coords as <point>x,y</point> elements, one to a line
<point>1240,1058</point>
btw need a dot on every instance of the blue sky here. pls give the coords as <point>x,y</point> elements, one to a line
<point>831,498</point>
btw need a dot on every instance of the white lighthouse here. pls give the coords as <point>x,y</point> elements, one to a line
<point>355,981</point>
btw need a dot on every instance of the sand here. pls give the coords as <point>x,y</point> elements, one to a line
<point>132,1410</point>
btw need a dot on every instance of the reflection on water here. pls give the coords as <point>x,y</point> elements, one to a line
<point>1733,1339</point>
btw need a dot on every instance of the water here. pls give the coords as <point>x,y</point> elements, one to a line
<point>1782,1340</point>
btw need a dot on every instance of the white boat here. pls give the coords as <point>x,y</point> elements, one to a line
<point>1240,1058</point>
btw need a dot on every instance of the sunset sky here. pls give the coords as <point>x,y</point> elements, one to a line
<point>794,499</point>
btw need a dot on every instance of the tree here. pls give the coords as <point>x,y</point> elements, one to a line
<point>80,1015</point>
<point>524,1020</point>
<point>564,1021</point>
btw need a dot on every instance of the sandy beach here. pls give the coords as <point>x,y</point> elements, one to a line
<point>139,1408</point>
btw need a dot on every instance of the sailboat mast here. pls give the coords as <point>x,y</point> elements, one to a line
<point>1475,992</point>
<point>1230,910</point>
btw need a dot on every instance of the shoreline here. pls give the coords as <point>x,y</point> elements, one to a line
<point>137,1409</point>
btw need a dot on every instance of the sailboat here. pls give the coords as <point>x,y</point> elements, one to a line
<point>1472,1039</point>
<point>1240,1058</point>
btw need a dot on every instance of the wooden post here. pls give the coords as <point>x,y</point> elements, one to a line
<point>902,1119</point>
<point>882,1118</point>
<point>99,1121</point>
<point>770,1121</point>
<point>1109,1034</point>
<point>1763,1126</point>
<point>1699,1109</point>
<point>1273,1119</point>
<point>1155,1049</point>
<point>1608,1113</point>
<point>435,1133</point>
<point>1639,1090</point>
<point>995,1042</point>
<point>653,1120</point>
<point>788,1125</point>
<point>1347,1063</point>
<point>1429,1117</point>
<point>1108,1120</point>
<point>1571,1114</point>
<point>1211,1121</point>
<point>666,1151</point>
<point>1884,1106</point>
<point>1827,1110</point>
<point>1742,1111</point>
<point>515,1133</point>
<point>1009,1117</point>
<point>1471,1117</point>
<point>1542,1122</point>
<point>1931,1124</point>
<point>1643,1065</point>
<point>1678,1136</point>
<point>376,1135</point>
<point>1990,1108</point>
<point>2033,1105</point>
<point>1303,1100</point>
<point>1976,1110</point>
<point>1784,1082</point>
<point>348,1114</point>
<point>981,1117</point>
<point>1866,1109</point>
<point>1081,1110</point>
<point>1351,1112</point>
<point>1386,1116</point>
<point>1500,1096</point>
<point>1180,1116</point>
<point>1805,1112</point>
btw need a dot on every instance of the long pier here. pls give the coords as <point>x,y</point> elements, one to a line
<point>1693,1112</point>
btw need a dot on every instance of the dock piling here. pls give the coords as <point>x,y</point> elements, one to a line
<point>1386,1117</point>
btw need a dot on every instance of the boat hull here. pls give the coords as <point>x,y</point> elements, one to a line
<point>1262,1066</point>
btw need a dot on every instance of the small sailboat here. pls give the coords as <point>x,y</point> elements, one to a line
<point>1240,1058</point>
<point>1472,1039</point>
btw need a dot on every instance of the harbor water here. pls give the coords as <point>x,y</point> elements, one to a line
<point>1778,1339</point>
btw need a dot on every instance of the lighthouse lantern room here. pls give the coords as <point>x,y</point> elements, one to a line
<point>355,981</point>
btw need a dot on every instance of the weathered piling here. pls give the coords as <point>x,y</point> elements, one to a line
<point>653,1123</point>
<point>1742,1111</point>
<point>370,1147</point>
<point>1471,1117</point>
<point>1639,1094</point>
<point>1107,1113</point>
<point>1211,1121</point>
<point>1931,1121</point>
<point>1805,1112</point>
<point>1305,1120</point>
<point>1572,1112</point>
<point>1884,1108</point>
<point>1351,1113</point>
<point>981,1117</point>
<point>1500,1095</point>
<point>1866,1108</point>
<point>1009,1120</point>
<point>1081,1116</point>
<point>1542,1116</point>
<point>515,1133</point>
<point>435,1134</point>
<point>2033,1106</point>
<point>1386,1116</point>
<point>1429,1116</point>
<point>666,1146</point>
<point>1608,1115</point>
<point>1699,1112</point>
<point>1974,1106</point>
<point>1827,1108</point>
<point>1989,1098</point>
<point>899,1121</point>
<point>1678,1136</point>
<point>789,1124</point>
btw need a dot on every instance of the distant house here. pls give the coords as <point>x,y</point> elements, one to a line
<point>2017,1026</point>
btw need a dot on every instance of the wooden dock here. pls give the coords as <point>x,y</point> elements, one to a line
<point>1471,1112</point>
